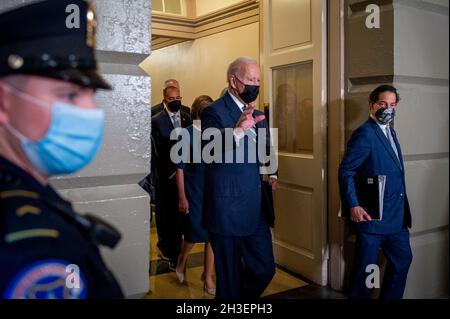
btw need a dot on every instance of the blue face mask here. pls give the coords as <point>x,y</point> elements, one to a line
<point>71,142</point>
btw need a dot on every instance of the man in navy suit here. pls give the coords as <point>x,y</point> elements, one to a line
<point>160,107</point>
<point>374,150</point>
<point>238,228</point>
<point>168,220</point>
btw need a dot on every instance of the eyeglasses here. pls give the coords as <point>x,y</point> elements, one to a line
<point>178,98</point>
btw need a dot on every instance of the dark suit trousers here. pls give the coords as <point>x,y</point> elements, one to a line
<point>397,251</point>
<point>169,221</point>
<point>244,265</point>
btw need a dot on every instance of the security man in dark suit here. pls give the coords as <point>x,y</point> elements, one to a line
<point>374,150</point>
<point>169,221</point>
<point>160,107</point>
<point>238,227</point>
<point>49,125</point>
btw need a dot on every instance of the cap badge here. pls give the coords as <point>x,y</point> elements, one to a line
<point>91,25</point>
<point>15,61</point>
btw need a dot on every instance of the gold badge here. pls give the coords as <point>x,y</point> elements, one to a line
<point>91,25</point>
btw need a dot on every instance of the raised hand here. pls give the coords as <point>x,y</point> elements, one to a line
<point>247,121</point>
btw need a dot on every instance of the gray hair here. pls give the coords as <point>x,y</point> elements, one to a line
<point>170,82</point>
<point>236,66</point>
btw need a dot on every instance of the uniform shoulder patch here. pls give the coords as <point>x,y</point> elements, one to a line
<point>48,279</point>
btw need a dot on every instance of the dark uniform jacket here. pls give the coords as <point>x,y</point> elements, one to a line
<point>44,252</point>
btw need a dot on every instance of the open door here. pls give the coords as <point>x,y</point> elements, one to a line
<point>294,62</point>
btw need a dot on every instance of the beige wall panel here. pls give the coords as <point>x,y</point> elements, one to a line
<point>369,52</point>
<point>422,121</point>
<point>419,47</point>
<point>291,23</point>
<point>201,65</point>
<point>299,203</point>
<point>207,6</point>
<point>427,189</point>
<point>356,112</point>
<point>428,275</point>
<point>443,3</point>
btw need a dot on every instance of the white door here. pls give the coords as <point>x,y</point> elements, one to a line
<point>294,63</point>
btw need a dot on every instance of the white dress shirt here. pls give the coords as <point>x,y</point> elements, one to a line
<point>172,115</point>
<point>382,126</point>
<point>385,128</point>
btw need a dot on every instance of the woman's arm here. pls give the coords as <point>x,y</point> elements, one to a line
<point>183,204</point>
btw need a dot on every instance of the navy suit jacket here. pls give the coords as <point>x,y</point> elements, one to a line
<point>232,199</point>
<point>161,128</point>
<point>370,153</point>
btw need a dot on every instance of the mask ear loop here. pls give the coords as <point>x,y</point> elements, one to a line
<point>16,133</point>
<point>25,96</point>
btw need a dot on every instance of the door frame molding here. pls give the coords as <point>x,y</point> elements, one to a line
<point>335,141</point>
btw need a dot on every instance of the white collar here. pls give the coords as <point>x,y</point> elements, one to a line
<point>236,100</point>
<point>171,114</point>
<point>382,126</point>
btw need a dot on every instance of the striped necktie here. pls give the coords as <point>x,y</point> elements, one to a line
<point>391,141</point>
<point>176,121</point>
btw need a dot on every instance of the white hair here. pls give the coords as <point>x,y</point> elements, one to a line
<point>236,66</point>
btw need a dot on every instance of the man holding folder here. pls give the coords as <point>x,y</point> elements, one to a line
<point>373,154</point>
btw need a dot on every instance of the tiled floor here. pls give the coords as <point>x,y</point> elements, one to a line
<point>164,284</point>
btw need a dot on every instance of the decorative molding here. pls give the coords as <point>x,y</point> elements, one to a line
<point>169,29</point>
<point>424,5</point>
<point>162,42</point>
<point>425,157</point>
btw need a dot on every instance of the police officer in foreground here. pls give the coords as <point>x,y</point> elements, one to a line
<point>49,125</point>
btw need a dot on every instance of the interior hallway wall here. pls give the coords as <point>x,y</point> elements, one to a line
<point>410,51</point>
<point>200,66</point>
<point>204,7</point>
<point>421,53</point>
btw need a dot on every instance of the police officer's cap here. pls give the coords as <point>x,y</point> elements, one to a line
<point>54,38</point>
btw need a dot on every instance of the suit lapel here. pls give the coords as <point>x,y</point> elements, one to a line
<point>167,119</point>
<point>234,111</point>
<point>385,143</point>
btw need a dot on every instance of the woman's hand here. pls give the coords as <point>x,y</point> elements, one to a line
<point>183,205</point>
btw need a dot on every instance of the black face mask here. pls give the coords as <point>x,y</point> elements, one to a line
<point>174,106</point>
<point>385,115</point>
<point>250,93</point>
